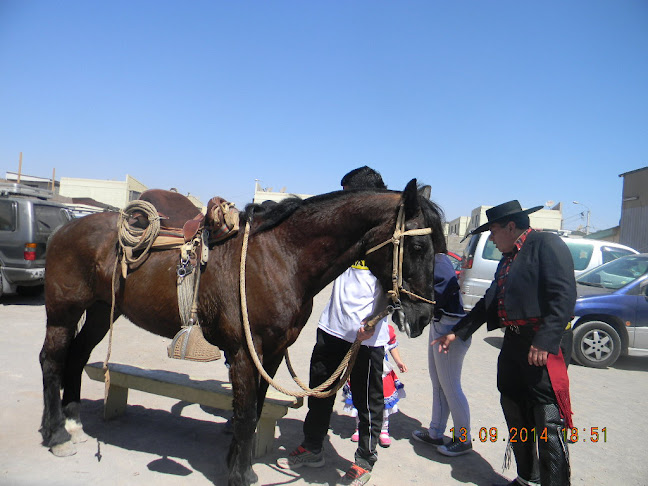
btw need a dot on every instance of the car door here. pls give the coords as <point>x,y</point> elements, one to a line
<point>640,327</point>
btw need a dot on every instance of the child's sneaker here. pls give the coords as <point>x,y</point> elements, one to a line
<point>424,436</point>
<point>301,457</point>
<point>384,440</point>
<point>355,476</point>
<point>356,436</point>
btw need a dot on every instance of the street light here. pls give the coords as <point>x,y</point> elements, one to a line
<point>587,226</point>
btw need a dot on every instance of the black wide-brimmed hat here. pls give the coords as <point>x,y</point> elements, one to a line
<point>503,211</point>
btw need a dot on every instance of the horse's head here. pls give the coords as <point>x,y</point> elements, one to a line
<point>409,274</point>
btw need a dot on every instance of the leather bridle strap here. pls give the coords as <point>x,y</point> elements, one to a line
<point>397,267</point>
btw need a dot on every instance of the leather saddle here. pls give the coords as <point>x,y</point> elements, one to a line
<point>180,217</point>
<point>177,213</point>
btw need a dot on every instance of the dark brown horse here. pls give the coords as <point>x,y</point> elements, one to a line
<point>295,249</point>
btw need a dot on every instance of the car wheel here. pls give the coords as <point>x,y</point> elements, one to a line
<point>596,344</point>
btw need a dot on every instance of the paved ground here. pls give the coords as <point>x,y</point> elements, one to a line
<point>165,442</point>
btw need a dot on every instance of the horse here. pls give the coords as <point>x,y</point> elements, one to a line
<point>296,248</point>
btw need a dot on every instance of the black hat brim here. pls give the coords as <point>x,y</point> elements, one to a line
<point>486,226</point>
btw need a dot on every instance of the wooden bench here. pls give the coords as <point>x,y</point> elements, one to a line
<point>212,393</point>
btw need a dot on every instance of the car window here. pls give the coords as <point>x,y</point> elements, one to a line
<point>7,216</point>
<point>581,253</point>
<point>469,252</point>
<point>49,218</point>
<point>491,252</point>
<point>610,253</point>
<point>616,274</point>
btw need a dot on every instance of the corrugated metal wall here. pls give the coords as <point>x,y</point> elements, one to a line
<point>633,229</point>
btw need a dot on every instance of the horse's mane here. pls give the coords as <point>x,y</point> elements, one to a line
<point>270,214</point>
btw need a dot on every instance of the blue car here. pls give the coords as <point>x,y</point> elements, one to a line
<point>611,313</point>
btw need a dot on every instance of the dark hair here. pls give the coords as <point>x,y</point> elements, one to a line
<point>363,178</point>
<point>521,221</point>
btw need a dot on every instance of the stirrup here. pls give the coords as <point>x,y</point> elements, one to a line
<point>190,344</point>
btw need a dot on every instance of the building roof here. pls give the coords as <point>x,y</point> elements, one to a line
<point>633,171</point>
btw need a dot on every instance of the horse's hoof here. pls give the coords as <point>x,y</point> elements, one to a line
<point>63,450</point>
<point>75,429</point>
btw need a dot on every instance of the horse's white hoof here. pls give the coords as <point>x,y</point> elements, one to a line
<point>79,436</point>
<point>75,429</point>
<point>63,450</point>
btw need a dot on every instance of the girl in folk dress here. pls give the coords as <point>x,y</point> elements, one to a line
<point>393,390</point>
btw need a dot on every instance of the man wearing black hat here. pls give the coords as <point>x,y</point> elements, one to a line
<point>532,297</point>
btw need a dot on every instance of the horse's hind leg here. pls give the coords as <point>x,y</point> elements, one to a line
<point>93,331</point>
<point>62,360</point>
<point>61,327</point>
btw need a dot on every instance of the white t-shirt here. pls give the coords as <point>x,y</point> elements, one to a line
<point>354,295</point>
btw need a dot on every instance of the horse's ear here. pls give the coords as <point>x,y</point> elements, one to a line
<point>425,191</point>
<point>410,198</point>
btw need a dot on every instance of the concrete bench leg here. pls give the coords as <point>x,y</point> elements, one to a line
<point>115,402</point>
<point>264,436</point>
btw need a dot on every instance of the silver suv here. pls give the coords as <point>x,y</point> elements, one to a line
<point>481,257</point>
<point>27,220</point>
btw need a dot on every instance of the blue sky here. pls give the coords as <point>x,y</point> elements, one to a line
<point>486,101</point>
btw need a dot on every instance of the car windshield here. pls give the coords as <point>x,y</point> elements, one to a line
<point>617,273</point>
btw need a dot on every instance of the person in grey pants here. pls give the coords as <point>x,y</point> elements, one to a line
<point>448,397</point>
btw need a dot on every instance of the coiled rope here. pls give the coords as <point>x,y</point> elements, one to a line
<point>130,239</point>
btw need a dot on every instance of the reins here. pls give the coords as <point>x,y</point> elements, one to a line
<point>348,361</point>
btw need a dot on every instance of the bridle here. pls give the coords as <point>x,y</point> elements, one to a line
<point>397,266</point>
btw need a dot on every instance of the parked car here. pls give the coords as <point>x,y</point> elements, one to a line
<point>27,220</point>
<point>611,314</point>
<point>481,257</point>
<point>456,262</point>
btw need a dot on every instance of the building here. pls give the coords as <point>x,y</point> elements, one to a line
<point>261,195</point>
<point>113,193</point>
<point>458,226</point>
<point>633,227</point>
<point>545,219</point>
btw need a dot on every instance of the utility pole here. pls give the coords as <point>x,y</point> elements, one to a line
<point>587,225</point>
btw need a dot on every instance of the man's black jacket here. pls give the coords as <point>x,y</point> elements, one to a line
<point>540,283</point>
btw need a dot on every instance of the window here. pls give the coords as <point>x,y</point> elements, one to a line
<point>49,218</point>
<point>491,252</point>
<point>611,253</point>
<point>581,253</point>
<point>7,216</point>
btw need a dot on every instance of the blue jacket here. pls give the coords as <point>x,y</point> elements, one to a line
<point>446,289</point>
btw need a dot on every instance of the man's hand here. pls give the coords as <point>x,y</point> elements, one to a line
<point>537,356</point>
<point>364,333</point>
<point>444,342</point>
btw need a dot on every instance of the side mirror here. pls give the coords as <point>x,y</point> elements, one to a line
<point>643,288</point>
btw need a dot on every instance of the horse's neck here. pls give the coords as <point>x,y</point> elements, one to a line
<point>327,242</point>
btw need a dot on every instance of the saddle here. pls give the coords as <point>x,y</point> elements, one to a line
<point>180,217</point>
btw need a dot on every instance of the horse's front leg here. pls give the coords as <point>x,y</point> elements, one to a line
<point>244,379</point>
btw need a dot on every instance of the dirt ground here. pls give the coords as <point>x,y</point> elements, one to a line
<point>165,442</point>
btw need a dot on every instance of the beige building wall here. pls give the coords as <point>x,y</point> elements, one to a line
<point>115,193</point>
<point>261,195</point>
<point>458,226</point>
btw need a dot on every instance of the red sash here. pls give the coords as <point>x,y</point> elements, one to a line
<point>560,384</point>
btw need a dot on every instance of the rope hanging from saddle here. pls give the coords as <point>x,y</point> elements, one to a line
<point>320,391</point>
<point>348,361</point>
